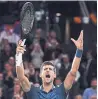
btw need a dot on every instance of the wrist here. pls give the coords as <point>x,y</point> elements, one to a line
<point>18,59</point>
<point>79,53</point>
<point>73,73</point>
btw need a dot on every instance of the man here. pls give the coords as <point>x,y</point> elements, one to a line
<point>48,73</point>
<point>91,93</point>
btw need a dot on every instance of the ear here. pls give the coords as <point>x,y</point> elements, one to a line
<point>40,75</point>
<point>54,75</point>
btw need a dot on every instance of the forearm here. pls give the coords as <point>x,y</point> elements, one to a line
<point>20,71</point>
<point>76,62</point>
<point>20,74</point>
<point>25,84</point>
<point>19,66</point>
<point>75,65</point>
<point>72,73</point>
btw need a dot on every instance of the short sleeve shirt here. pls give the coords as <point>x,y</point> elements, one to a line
<point>54,93</point>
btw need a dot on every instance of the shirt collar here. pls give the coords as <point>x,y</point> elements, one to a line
<point>41,88</point>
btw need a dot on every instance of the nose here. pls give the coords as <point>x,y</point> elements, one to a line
<point>48,69</point>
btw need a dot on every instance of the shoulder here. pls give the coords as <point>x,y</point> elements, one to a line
<point>61,91</point>
<point>33,89</point>
<point>87,90</point>
<point>33,92</point>
<point>60,88</point>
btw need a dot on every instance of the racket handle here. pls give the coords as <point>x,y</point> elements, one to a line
<point>22,45</point>
<point>23,42</point>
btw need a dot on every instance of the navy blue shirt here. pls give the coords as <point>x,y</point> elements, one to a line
<point>55,93</point>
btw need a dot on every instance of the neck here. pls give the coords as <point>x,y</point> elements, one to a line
<point>47,87</point>
<point>94,88</point>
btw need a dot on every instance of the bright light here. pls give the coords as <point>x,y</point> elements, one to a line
<point>86,20</point>
<point>58,14</point>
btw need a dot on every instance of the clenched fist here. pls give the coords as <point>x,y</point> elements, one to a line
<point>21,47</point>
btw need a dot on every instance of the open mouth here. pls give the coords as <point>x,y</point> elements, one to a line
<point>47,76</point>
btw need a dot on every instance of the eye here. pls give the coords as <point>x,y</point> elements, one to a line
<point>51,69</point>
<point>45,68</point>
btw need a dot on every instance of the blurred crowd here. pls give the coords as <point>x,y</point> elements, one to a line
<point>41,49</point>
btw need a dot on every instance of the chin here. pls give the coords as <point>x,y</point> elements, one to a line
<point>48,82</point>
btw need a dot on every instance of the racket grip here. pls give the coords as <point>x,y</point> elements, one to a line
<point>23,42</point>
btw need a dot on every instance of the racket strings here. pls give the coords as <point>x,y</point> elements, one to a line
<point>26,23</point>
<point>27,17</point>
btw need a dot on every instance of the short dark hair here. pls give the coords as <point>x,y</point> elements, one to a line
<point>47,63</point>
<point>94,78</point>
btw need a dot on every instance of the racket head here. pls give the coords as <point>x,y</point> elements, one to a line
<point>27,17</point>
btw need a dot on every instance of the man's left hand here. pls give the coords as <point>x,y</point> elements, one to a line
<point>79,41</point>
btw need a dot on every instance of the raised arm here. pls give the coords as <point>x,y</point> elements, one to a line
<point>19,67</point>
<point>76,62</point>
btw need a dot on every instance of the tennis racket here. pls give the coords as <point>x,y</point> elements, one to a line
<point>26,19</point>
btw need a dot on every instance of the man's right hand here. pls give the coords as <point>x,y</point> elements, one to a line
<point>19,66</point>
<point>21,47</point>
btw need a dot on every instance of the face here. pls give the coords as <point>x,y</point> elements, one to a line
<point>1,76</point>
<point>12,60</point>
<point>94,84</point>
<point>9,28</point>
<point>53,34</point>
<point>17,88</point>
<point>5,41</point>
<point>38,33</point>
<point>31,69</point>
<point>89,54</point>
<point>1,92</point>
<point>8,67</point>
<point>58,82</point>
<point>16,81</point>
<point>37,47</point>
<point>25,64</point>
<point>48,74</point>
<point>7,48</point>
<point>66,59</point>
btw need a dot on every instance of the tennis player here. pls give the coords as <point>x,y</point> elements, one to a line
<point>48,73</point>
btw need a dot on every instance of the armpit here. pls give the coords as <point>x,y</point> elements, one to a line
<point>25,86</point>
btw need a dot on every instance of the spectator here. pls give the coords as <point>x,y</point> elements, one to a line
<point>78,97</point>
<point>37,55</point>
<point>16,81</point>
<point>18,93</point>
<point>57,81</point>
<point>3,87</point>
<point>11,61</point>
<point>89,69</point>
<point>57,56</point>
<point>1,93</point>
<point>3,43</point>
<point>65,66</point>
<point>39,39</point>
<point>9,35</point>
<point>17,27</point>
<point>5,54</point>
<point>52,41</point>
<point>26,68</point>
<point>52,45</point>
<point>31,70</point>
<point>75,91</point>
<point>91,93</point>
<point>1,80</point>
<point>8,76</point>
<point>34,75</point>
